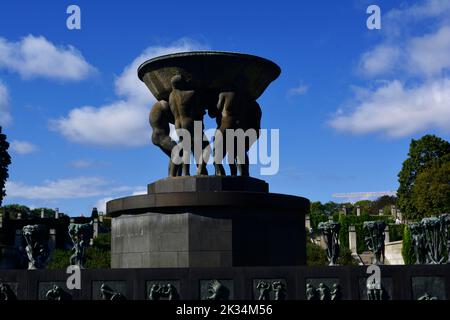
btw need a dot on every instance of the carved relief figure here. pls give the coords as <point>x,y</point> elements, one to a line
<point>264,289</point>
<point>56,293</point>
<point>168,291</point>
<point>217,291</point>
<point>6,292</point>
<point>107,293</point>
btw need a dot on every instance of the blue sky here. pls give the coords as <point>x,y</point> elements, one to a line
<point>347,103</point>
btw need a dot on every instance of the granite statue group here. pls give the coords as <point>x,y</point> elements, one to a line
<point>431,240</point>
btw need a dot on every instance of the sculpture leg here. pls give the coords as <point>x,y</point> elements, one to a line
<point>203,158</point>
<point>243,166</point>
<point>233,169</point>
<point>219,152</point>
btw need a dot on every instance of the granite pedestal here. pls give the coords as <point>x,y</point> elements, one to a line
<point>208,222</point>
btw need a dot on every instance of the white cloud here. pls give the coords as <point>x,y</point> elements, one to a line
<point>423,10</point>
<point>37,57</point>
<point>397,111</point>
<point>298,91</point>
<point>121,123</point>
<point>23,147</point>
<point>379,60</point>
<point>139,192</point>
<point>101,204</point>
<point>99,125</point>
<point>412,67</point>
<point>430,54</point>
<point>5,116</point>
<point>80,187</point>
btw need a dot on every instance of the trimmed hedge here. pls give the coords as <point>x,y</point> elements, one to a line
<point>408,254</point>
<point>396,232</point>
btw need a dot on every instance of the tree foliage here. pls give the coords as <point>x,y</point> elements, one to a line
<point>12,211</point>
<point>431,191</point>
<point>315,255</point>
<point>422,153</point>
<point>98,256</point>
<point>383,203</point>
<point>5,161</point>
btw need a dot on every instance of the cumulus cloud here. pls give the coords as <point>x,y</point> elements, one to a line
<point>100,124</point>
<point>410,71</point>
<point>398,111</point>
<point>37,57</point>
<point>23,147</point>
<point>5,116</point>
<point>71,188</point>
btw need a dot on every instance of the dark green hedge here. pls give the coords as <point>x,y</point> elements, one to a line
<point>396,232</point>
<point>407,249</point>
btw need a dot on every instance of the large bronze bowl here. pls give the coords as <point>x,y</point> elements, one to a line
<point>209,70</point>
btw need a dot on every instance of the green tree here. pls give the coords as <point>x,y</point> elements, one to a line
<point>48,213</point>
<point>317,214</point>
<point>364,206</point>
<point>315,255</point>
<point>383,203</point>
<point>431,191</point>
<point>5,161</point>
<point>422,153</point>
<point>13,210</point>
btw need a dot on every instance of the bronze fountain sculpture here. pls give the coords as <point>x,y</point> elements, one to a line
<point>189,84</point>
<point>206,220</point>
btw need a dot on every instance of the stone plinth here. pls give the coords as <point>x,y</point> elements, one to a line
<point>208,222</point>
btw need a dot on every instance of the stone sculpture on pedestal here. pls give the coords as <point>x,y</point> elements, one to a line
<point>418,243</point>
<point>330,231</point>
<point>80,234</point>
<point>431,239</point>
<point>435,240</point>
<point>374,238</point>
<point>36,237</point>
<point>445,227</point>
<point>221,208</point>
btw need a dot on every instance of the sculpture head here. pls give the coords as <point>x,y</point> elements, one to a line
<point>34,233</point>
<point>178,82</point>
